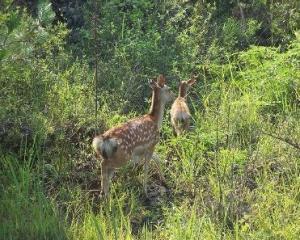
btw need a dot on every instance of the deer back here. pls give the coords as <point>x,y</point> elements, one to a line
<point>179,110</point>
<point>136,137</point>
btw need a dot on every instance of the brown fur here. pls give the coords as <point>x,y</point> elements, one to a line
<point>180,113</point>
<point>133,140</point>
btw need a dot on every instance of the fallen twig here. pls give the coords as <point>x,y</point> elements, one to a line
<point>283,139</point>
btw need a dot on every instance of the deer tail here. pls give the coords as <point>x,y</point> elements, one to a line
<point>106,147</point>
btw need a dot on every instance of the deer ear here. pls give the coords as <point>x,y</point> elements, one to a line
<point>191,81</point>
<point>152,83</point>
<point>161,80</point>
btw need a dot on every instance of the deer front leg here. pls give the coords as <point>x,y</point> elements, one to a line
<point>157,162</point>
<point>147,158</point>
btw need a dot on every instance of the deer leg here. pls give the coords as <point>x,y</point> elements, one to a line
<point>157,162</point>
<point>106,175</point>
<point>147,157</point>
<point>104,180</point>
<point>187,125</point>
<point>174,131</point>
<point>145,179</point>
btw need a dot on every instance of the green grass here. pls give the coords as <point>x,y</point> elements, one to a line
<point>229,194</point>
<point>26,212</point>
<point>227,179</point>
<point>219,186</point>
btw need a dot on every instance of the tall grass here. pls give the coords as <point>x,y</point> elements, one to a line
<point>225,179</point>
<point>26,212</point>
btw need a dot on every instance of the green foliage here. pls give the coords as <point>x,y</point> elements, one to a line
<point>234,175</point>
<point>45,13</point>
<point>26,213</point>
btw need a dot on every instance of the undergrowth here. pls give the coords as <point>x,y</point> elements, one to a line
<point>235,175</point>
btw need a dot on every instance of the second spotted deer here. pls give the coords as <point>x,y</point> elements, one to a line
<point>180,113</point>
<point>134,140</point>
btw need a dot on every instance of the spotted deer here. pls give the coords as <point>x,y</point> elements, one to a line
<point>180,113</point>
<point>134,140</point>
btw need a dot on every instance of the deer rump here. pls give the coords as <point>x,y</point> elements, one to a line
<point>180,118</point>
<point>180,122</point>
<point>105,146</point>
<point>131,140</point>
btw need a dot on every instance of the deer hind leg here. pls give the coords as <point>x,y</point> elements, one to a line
<point>106,175</point>
<point>145,179</point>
<point>174,131</point>
<point>187,125</point>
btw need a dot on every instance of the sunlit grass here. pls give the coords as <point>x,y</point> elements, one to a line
<point>225,179</point>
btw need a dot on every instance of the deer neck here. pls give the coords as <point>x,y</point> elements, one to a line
<point>157,108</point>
<point>182,92</point>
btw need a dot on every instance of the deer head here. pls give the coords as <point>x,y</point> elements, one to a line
<point>161,94</point>
<point>161,91</point>
<point>184,86</point>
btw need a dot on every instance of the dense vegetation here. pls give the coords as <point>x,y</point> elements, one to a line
<point>236,175</point>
